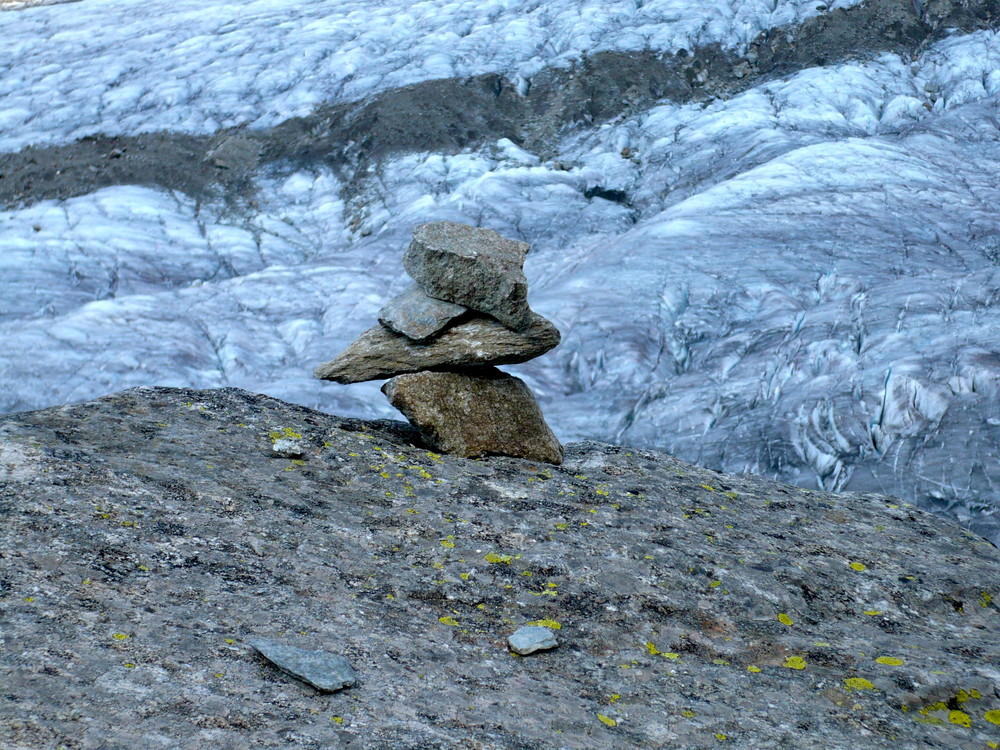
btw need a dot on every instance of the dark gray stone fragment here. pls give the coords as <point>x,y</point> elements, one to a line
<point>379,353</point>
<point>324,671</point>
<point>417,316</point>
<point>487,413</point>
<point>531,638</point>
<point>471,266</point>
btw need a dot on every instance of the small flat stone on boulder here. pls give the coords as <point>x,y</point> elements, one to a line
<point>471,266</point>
<point>324,671</point>
<point>380,353</point>
<point>287,448</point>
<point>417,316</point>
<point>487,412</point>
<point>531,638</point>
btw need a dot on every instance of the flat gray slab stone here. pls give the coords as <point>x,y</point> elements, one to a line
<point>471,266</point>
<point>380,353</point>
<point>417,316</point>
<point>489,413</point>
<point>531,638</point>
<point>324,671</point>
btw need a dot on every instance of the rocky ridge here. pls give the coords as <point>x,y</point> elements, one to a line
<point>152,536</point>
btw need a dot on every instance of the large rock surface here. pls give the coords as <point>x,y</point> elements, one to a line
<point>475,414</point>
<point>379,353</point>
<point>150,536</point>
<point>471,266</point>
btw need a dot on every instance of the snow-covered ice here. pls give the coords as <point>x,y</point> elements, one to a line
<point>801,280</point>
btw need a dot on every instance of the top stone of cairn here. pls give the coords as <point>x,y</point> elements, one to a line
<point>471,266</point>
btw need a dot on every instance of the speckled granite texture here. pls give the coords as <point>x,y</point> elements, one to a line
<point>149,536</point>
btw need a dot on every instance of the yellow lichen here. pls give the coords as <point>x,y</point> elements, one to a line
<point>119,636</point>
<point>858,683</point>
<point>720,736</point>
<point>493,557</point>
<point>607,720</point>
<point>652,649</point>
<point>858,566</point>
<point>614,698</point>
<point>993,717</point>
<point>985,599</point>
<point>785,619</point>
<point>795,662</point>
<point>873,612</point>
<point>892,661</point>
<point>547,624</point>
<point>753,668</point>
<point>688,714</point>
<point>446,620</point>
<point>286,432</point>
<point>961,718</point>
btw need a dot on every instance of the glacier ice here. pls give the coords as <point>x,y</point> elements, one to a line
<point>110,66</point>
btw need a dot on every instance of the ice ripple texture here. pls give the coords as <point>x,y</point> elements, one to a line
<point>112,66</point>
<point>801,283</point>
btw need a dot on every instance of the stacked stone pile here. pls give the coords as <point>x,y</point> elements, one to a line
<point>439,340</point>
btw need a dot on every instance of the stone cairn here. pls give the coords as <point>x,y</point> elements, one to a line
<point>439,339</point>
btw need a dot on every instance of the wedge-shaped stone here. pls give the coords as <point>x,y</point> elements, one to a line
<point>380,353</point>
<point>485,413</point>
<point>531,638</point>
<point>417,316</point>
<point>471,266</point>
<point>324,671</point>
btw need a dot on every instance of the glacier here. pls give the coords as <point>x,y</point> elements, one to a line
<point>797,277</point>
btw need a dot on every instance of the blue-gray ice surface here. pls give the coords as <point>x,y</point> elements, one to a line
<point>804,283</point>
